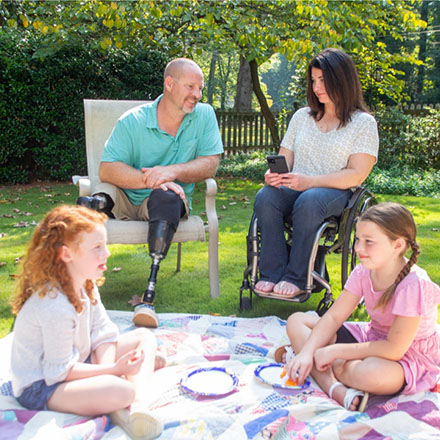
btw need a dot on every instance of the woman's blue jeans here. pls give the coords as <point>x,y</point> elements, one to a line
<point>307,211</point>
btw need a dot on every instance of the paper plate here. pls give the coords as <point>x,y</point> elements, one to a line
<point>214,381</point>
<point>271,375</point>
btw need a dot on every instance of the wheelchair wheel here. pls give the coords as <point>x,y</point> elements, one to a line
<point>349,258</point>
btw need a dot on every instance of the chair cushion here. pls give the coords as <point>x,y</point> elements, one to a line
<point>136,232</point>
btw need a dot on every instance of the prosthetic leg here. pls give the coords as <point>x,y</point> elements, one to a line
<point>160,235</point>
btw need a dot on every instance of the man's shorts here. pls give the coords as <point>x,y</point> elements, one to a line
<point>125,210</point>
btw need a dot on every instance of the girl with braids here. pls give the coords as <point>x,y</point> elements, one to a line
<point>399,349</point>
<point>66,353</point>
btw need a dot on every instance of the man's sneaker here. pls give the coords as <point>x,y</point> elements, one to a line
<point>137,422</point>
<point>145,316</point>
<point>97,203</point>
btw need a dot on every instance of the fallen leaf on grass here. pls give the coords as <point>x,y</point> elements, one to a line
<point>223,207</point>
<point>435,229</point>
<point>13,275</point>
<point>135,300</point>
<point>232,203</point>
<point>2,234</point>
<point>21,224</point>
<point>8,216</point>
<point>16,210</point>
<point>116,269</point>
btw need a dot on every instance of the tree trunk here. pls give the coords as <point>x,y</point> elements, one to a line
<point>211,77</point>
<point>243,95</point>
<point>268,116</point>
<point>422,50</point>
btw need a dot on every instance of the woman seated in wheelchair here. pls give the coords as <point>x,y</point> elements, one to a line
<point>330,147</point>
<point>399,349</point>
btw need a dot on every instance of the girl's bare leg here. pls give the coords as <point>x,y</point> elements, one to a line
<point>92,396</point>
<point>140,339</point>
<point>299,327</point>
<point>359,374</point>
<point>362,374</point>
<point>136,420</point>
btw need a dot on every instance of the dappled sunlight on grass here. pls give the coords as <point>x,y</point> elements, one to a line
<point>188,290</point>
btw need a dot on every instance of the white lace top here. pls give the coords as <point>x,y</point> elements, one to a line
<point>317,153</point>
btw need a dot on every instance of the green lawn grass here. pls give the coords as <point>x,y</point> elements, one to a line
<point>188,290</point>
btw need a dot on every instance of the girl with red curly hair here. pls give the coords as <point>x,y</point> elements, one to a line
<point>67,355</point>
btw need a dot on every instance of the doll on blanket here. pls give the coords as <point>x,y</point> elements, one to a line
<point>66,353</point>
<point>399,349</point>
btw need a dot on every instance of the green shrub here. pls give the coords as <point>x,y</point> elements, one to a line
<point>245,165</point>
<point>398,180</point>
<point>41,109</point>
<point>413,140</point>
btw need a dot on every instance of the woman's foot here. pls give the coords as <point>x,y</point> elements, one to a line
<point>264,287</point>
<point>286,289</point>
<point>349,398</point>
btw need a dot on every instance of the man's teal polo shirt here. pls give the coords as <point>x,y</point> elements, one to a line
<point>138,141</point>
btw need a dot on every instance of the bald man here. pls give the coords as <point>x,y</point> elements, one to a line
<point>152,158</point>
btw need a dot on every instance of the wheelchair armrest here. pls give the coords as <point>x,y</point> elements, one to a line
<point>84,184</point>
<point>354,197</point>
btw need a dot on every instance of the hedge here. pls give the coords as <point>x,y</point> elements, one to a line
<point>41,111</point>
<point>410,140</point>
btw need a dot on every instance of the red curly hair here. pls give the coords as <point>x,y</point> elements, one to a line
<point>42,267</point>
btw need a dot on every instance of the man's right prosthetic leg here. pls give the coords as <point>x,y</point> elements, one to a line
<point>166,209</point>
<point>160,236</point>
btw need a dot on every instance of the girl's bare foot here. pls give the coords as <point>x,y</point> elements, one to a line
<point>160,361</point>
<point>349,398</point>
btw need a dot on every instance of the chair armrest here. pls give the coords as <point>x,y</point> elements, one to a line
<point>84,184</point>
<point>210,195</point>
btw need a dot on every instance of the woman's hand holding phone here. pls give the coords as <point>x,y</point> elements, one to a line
<point>277,168</point>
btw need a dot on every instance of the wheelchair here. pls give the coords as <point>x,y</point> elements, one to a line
<point>336,234</point>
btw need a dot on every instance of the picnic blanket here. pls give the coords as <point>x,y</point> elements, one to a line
<point>254,410</point>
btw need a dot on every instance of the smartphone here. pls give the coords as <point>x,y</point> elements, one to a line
<point>277,164</point>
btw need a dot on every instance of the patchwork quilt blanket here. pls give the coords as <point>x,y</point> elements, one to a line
<point>252,410</point>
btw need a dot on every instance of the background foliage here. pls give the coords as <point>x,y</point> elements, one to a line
<point>53,54</point>
<point>41,111</point>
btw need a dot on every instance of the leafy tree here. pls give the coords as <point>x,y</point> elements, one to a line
<point>277,75</point>
<point>252,29</point>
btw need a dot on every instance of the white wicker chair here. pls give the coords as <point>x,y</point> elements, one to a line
<point>100,118</point>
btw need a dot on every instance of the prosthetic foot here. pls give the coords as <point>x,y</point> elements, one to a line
<point>160,235</point>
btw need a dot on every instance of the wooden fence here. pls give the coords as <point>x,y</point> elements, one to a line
<point>245,132</point>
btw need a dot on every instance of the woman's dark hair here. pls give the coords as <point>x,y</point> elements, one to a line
<point>396,222</point>
<point>341,83</point>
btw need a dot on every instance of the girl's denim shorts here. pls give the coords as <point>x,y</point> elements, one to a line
<point>35,396</point>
